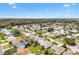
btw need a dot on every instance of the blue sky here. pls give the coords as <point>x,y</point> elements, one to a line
<point>39,10</point>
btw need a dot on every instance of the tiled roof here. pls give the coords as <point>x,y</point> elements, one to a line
<point>23,51</point>
<point>17,40</point>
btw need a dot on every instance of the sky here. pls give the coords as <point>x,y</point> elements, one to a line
<point>39,10</point>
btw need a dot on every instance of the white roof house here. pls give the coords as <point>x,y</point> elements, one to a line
<point>28,34</point>
<point>71,37</point>
<point>8,35</point>
<point>20,45</point>
<point>58,50</point>
<point>11,38</point>
<point>44,43</point>
<point>47,44</point>
<point>69,52</point>
<point>4,30</point>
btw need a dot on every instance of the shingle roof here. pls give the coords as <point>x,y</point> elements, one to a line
<point>58,50</point>
<point>69,52</point>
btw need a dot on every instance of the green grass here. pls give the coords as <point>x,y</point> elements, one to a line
<point>51,52</point>
<point>21,36</point>
<point>36,49</point>
<point>49,37</point>
<point>77,39</point>
<point>3,42</point>
<point>59,40</point>
<point>6,46</point>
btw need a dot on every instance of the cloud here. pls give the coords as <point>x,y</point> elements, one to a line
<point>11,3</point>
<point>67,5</point>
<point>14,6</point>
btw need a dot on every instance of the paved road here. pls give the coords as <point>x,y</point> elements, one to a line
<point>1,50</point>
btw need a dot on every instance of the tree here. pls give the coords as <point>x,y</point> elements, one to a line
<point>50,29</point>
<point>2,26</point>
<point>22,36</point>
<point>16,32</point>
<point>69,41</point>
<point>35,43</point>
<point>10,24</point>
<point>46,52</point>
<point>10,51</point>
<point>2,36</point>
<point>30,40</point>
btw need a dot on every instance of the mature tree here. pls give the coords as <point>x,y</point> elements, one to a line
<point>46,52</point>
<point>30,40</point>
<point>16,32</point>
<point>69,41</point>
<point>10,51</point>
<point>1,36</point>
<point>50,29</point>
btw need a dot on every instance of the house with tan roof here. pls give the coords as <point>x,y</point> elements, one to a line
<point>17,40</point>
<point>23,51</point>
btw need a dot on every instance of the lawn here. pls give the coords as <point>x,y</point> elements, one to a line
<point>59,40</point>
<point>21,36</point>
<point>36,49</point>
<point>4,41</point>
<point>49,37</point>
<point>10,30</point>
<point>51,52</point>
<point>6,46</point>
<point>77,39</point>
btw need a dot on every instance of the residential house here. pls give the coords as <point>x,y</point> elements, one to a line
<point>68,52</point>
<point>58,50</point>
<point>23,51</point>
